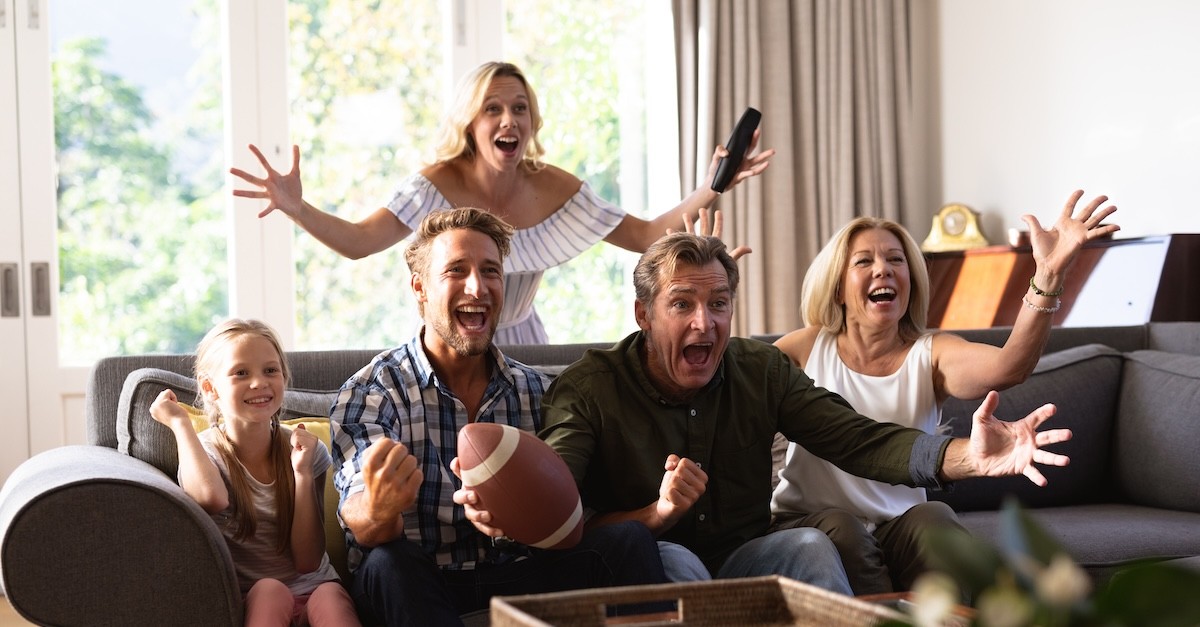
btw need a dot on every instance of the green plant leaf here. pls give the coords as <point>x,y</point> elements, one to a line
<point>971,562</point>
<point>1022,538</point>
<point>1158,594</point>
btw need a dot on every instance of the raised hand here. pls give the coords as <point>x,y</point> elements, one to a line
<point>469,500</point>
<point>1055,249</point>
<point>701,228</point>
<point>998,448</point>
<point>167,411</point>
<point>682,485</point>
<point>304,445</point>
<point>283,191</point>
<point>391,477</point>
<point>752,165</point>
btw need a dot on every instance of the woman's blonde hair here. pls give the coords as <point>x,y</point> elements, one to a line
<point>820,292</point>
<point>453,137</point>
<point>208,357</point>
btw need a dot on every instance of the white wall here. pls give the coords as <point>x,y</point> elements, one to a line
<point>1041,97</point>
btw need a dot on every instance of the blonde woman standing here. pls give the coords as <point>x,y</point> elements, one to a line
<point>489,156</point>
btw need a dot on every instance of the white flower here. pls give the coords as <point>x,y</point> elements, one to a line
<point>934,598</point>
<point>1004,605</point>
<point>1063,583</point>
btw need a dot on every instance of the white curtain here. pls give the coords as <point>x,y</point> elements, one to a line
<point>833,81</point>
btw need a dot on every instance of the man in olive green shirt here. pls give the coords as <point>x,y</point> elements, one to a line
<point>673,427</point>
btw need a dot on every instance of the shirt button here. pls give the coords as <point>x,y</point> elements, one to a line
<point>693,412</point>
<point>701,517</point>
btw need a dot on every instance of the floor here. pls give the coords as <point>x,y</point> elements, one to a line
<point>9,617</point>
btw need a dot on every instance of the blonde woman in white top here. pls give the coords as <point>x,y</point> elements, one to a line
<point>865,302</point>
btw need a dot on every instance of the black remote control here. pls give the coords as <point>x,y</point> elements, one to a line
<point>739,140</point>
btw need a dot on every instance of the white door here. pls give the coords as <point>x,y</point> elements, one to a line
<point>14,271</point>
<point>114,233</point>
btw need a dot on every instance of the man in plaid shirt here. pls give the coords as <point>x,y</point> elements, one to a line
<point>417,558</point>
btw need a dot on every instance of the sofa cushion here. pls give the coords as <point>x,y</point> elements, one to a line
<point>1082,382</point>
<point>1159,426</point>
<point>1104,537</point>
<point>142,437</point>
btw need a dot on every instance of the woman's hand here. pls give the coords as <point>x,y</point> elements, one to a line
<point>1055,249</point>
<point>752,164</point>
<point>284,191</point>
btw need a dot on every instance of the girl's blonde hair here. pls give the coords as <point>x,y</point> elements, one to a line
<point>453,137</point>
<point>823,282</point>
<point>208,358</point>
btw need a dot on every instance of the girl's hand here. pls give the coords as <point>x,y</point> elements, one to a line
<point>304,446</point>
<point>166,410</point>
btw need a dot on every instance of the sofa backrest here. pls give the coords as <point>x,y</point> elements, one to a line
<point>1157,434</point>
<point>1083,383</point>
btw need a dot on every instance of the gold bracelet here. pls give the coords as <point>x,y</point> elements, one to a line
<point>1037,290</point>
<point>1040,309</point>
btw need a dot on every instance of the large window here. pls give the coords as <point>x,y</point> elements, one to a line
<point>138,127</point>
<point>365,83</point>
<point>139,116</point>
<point>595,68</point>
<point>367,89</point>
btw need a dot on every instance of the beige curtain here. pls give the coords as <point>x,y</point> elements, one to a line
<point>832,79</point>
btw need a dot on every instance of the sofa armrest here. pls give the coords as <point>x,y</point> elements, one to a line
<point>91,536</point>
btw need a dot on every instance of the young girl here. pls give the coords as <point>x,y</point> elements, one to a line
<point>261,482</point>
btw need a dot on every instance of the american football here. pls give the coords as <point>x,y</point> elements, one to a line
<point>523,483</point>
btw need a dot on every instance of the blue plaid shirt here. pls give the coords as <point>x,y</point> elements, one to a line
<point>398,395</point>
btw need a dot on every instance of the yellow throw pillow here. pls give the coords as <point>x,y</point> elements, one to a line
<point>199,418</point>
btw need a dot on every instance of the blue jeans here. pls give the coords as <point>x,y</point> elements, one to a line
<point>398,584</point>
<point>803,554</point>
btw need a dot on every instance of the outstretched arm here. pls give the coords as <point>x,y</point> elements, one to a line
<point>637,235</point>
<point>998,449</point>
<point>968,369</point>
<point>284,192</point>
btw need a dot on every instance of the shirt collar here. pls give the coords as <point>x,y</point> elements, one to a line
<point>426,377</point>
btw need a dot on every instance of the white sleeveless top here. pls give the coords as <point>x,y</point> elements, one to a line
<point>809,484</point>
<point>567,233</point>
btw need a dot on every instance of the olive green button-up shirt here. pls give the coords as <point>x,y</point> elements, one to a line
<point>615,431</point>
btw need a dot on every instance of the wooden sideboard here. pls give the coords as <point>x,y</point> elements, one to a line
<point>1113,282</point>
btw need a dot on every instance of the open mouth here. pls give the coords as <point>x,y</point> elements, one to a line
<point>472,317</point>
<point>697,354</point>
<point>507,145</point>
<point>260,401</point>
<point>882,295</point>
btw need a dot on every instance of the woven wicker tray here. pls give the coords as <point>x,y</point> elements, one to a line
<point>754,601</point>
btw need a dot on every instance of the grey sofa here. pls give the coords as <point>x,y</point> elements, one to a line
<point>100,534</point>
